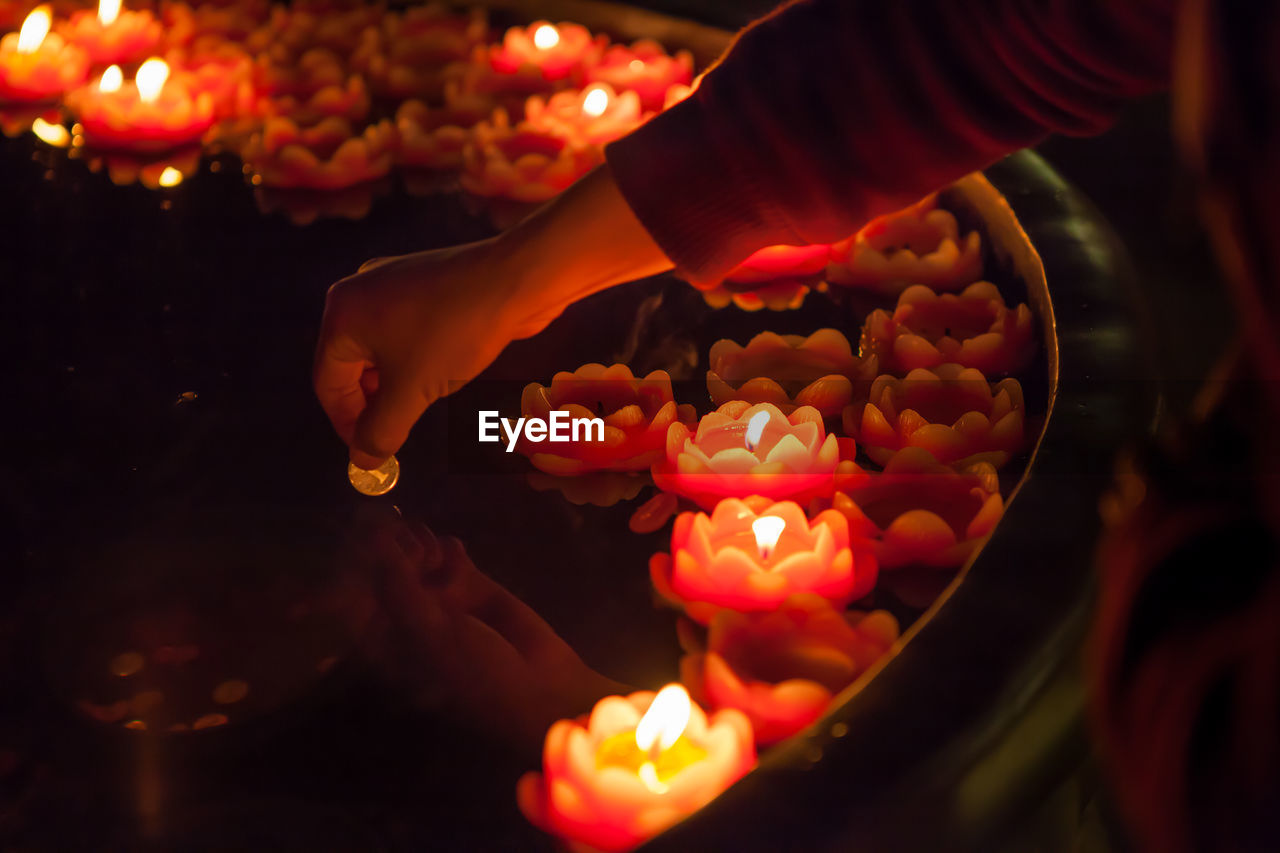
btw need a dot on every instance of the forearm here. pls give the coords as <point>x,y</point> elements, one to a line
<point>584,241</point>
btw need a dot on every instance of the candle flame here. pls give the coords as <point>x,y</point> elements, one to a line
<point>755,428</point>
<point>111,80</point>
<point>546,37</point>
<point>170,177</point>
<point>150,79</point>
<point>767,529</point>
<point>665,721</point>
<point>595,102</point>
<point>108,11</point>
<point>52,134</point>
<point>34,29</point>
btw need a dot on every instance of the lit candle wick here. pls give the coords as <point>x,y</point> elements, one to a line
<point>659,728</point>
<point>546,37</point>
<point>768,529</point>
<point>108,11</point>
<point>34,29</point>
<point>755,429</point>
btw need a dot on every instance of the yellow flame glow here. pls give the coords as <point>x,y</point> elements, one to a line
<point>108,11</point>
<point>34,29</point>
<point>52,134</point>
<point>111,80</point>
<point>170,177</point>
<point>636,65</point>
<point>595,102</point>
<point>150,79</point>
<point>755,428</point>
<point>546,37</point>
<point>665,721</point>
<point>649,776</point>
<point>767,530</point>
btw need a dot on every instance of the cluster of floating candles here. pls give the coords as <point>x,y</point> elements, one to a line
<point>540,102</point>
<point>787,528</point>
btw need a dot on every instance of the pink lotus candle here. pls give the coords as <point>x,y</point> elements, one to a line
<point>594,116</point>
<point>636,413</point>
<point>113,36</point>
<point>783,667</point>
<point>920,512</point>
<point>637,765</point>
<point>327,156</point>
<point>918,245</point>
<point>522,163</point>
<point>789,371</point>
<point>36,65</point>
<point>780,295</point>
<point>751,555</point>
<point>222,70</point>
<point>149,113</point>
<point>644,68</point>
<point>951,411</point>
<point>973,328</point>
<point>414,55</point>
<point>743,449</point>
<point>556,51</point>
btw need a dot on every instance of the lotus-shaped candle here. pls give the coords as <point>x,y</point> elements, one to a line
<point>324,157</point>
<point>918,245</point>
<point>220,69</point>
<point>742,449</point>
<point>751,555</point>
<point>36,65</point>
<point>636,414</point>
<point>593,116</point>
<point>414,55</point>
<point>435,138</point>
<point>923,513</point>
<point>951,411</point>
<point>541,57</point>
<point>789,371</point>
<point>522,163</point>
<point>348,100</point>
<point>637,765</point>
<point>644,68</point>
<point>226,24</point>
<point>973,328</point>
<point>782,668</point>
<point>782,295</point>
<point>152,113</point>
<point>280,74</point>
<point>112,35</point>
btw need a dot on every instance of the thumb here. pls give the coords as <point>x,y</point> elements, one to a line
<point>385,422</point>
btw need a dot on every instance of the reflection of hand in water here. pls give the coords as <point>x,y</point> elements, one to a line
<point>450,634</point>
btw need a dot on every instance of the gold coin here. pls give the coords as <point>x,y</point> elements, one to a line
<point>379,481</point>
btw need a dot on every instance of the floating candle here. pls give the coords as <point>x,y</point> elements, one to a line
<point>149,113</point>
<point>918,245</point>
<point>37,65</point>
<point>951,411</point>
<point>636,414</point>
<point>973,328</point>
<point>783,667</point>
<point>416,54</point>
<point>522,163</point>
<point>743,449</point>
<point>327,156</point>
<point>541,57</point>
<point>593,116</point>
<point>434,138</point>
<point>112,35</point>
<point>644,68</point>
<point>920,512</point>
<point>751,555</point>
<point>789,371</point>
<point>637,765</point>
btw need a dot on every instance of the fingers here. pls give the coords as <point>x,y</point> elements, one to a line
<point>384,423</point>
